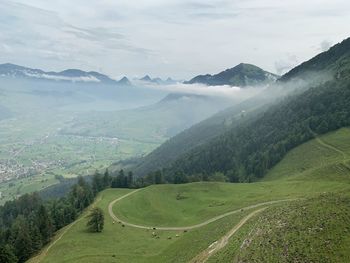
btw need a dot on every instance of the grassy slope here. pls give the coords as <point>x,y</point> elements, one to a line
<point>125,244</point>
<point>308,170</point>
<point>312,230</point>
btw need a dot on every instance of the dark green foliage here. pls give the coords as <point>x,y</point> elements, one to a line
<point>21,240</point>
<point>123,181</point>
<point>96,220</point>
<point>28,223</point>
<point>81,194</point>
<point>44,224</point>
<point>7,255</point>
<point>248,151</point>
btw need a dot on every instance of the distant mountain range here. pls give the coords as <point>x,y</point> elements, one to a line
<point>241,75</point>
<point>159,81</point>
<point>70,75</point>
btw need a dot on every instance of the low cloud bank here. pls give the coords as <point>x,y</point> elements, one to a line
<point>224,91</point>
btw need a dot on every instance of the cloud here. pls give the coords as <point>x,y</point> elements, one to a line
<point>178,38</point>
<point>56,77</point>
<point>285,64</point>
<point>224,91</point>
<point>325,45</point>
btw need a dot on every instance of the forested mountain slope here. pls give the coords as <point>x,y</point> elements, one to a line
<point>205,131</point>
<point>246,151</point>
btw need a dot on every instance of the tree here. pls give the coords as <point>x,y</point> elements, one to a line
<point>97,183</point>
<point>96,220</point>
<point>130,179</point>
<point>180,178</point>
<point>158,177</point>
<point>44,222</point>
<point>106,179</point>
<point>21,241</point>
<point>7,255</point>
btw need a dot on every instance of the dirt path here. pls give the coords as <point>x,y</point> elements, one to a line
<point>217,245</point>
<point>211,220</point>
<point>331,147</point>
<point>44,252</point>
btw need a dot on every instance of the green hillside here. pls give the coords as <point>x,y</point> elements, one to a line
<point>312,171</point>
<point>205,131</point>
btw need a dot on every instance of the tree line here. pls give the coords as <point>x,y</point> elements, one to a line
<point>29,222</point>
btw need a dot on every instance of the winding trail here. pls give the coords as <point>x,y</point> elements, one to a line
<point>211,220</point>
<point>44,252</point>
<point>331,147</point>
<point>222,242</point>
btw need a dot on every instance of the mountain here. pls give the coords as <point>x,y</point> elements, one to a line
<point>333,63</point>
<point>146,78</point>
<point>257,140</point>
<point>70,75</point>
<point>241,75</point>
<point>124,82</point>
<point>158,80</point>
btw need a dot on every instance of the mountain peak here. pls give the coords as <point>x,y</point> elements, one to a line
<point>146,78</point>
<point>124,81</point>
<point>241,75</point>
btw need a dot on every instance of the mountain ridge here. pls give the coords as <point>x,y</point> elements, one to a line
<point>71,75</point>
<point>241,75</point>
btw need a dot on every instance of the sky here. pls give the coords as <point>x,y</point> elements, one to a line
<point>164,38</point>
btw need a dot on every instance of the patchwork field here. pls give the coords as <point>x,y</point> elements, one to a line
<point>259,236</point>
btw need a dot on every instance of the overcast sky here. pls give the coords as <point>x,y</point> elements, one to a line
<point>163,38</point>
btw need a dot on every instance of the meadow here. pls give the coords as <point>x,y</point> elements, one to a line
<point>314,173</point>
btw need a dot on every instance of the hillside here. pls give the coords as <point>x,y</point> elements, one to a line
<point>246,152</point>
<point>241,75</point>
<point>153,123</point>
<point>191,204</point>
<point>332,63</point>
<point>205,130</point>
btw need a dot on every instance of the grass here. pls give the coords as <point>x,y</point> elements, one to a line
<point>313,230</point>
<point>160,205</point>
<point>13,189</point>
<point>281,233</point>
<point>126,244</point>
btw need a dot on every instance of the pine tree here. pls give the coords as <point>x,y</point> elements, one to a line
<point>106,179</point>
<point>7,255</point>
<point>96,220</point>
<point>21,240</point>
<point>130,180</point>
<point>44,223</point>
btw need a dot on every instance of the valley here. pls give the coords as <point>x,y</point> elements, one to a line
<point>174,131</point>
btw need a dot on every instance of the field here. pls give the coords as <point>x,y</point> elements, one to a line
<point>315,177</point>
<point>29,154</point>
<point>33,148</point>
